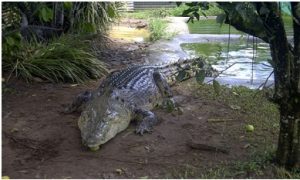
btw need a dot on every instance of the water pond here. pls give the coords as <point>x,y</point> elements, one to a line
<point>247,65</point>
<point>129,34</point>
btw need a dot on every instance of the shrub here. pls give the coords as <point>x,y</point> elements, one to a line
<point>157,28</point>
<point>63,60</point>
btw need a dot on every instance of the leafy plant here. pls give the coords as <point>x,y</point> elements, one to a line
<point>11,43</point>
<point>63,60</point>
<point>46,17</point>
<point>45,13</point>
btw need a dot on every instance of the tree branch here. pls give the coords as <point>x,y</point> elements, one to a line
<point>254,28</point>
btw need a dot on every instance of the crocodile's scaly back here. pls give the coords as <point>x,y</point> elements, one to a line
<point>131,77</point>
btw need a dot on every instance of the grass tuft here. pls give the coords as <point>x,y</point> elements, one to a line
<point>157,28</point>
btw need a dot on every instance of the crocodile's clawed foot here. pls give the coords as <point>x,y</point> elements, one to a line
<point>147,122</point>
<point>78,102</point>
<point>143,128</point>
<point>169,104</point>
<point>67,110</point>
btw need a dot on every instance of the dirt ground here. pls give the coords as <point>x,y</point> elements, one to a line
<point>39,141</point>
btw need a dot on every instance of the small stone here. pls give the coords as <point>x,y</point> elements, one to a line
<point>147,148</point>
<point>246,146</point>
<point>180,111</point>
<point>14,130</point>
<point>23,171</point>
<point>119,171</point>
<point>236,94</point>
<point>36,79</point>
<point>143,177</point>
<point>235,107</point>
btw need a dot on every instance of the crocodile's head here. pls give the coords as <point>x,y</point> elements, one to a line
<point>102,119</point>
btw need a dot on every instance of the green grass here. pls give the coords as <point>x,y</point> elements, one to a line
<point>259,165</point>
<point>67,59</point>
<point>259,111</point>
<point>252,168</point>
<point>255,109</point>
<point>210,26</point>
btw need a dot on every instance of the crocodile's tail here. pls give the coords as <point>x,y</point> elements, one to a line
<point>187,68</point>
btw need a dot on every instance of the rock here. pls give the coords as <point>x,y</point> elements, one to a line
<point>39,80</point>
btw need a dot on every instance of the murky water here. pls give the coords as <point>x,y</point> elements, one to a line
<point>129,34</point>
<point>240,63</point>
<point>247,62</point>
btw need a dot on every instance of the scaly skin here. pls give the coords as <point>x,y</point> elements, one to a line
<point>125,95</point>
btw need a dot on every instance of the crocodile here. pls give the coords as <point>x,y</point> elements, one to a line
<point>125,95</point>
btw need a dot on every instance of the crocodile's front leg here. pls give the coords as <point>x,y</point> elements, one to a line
<point>79,101</point>
<point>147,120</point>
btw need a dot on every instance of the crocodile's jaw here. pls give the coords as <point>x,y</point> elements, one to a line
<point>108,132</point>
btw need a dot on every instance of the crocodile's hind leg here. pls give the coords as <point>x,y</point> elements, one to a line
<point>165,90</point>
<point>79,101</point>
<point>148,120</point>
<point>162,85</point>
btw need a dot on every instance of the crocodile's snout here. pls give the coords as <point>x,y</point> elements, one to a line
<point>94,148</point>
<point>92,141</point>
<point>91,144</point>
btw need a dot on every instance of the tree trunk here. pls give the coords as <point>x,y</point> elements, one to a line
<point>286,71</point>
<point>286,93</point>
